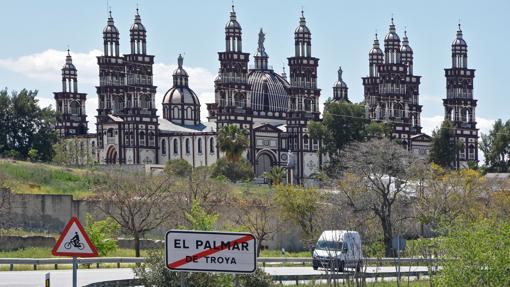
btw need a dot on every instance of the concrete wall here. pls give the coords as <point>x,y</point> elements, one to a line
<point>8,243</point>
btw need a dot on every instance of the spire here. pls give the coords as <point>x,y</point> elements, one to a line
<point>284,74</point>
<point>302,20</point>
<point>376,42</point>
<point>233,13</point>
<point>459,32</point>
<point>69,60</point>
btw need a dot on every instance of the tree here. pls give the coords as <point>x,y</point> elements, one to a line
<point>384,176</point>
<point>481,254</point>
<point>103,234</point>
<point>275,175</point>
<point>443,151</point>
<point>496,147</point>
<point>178,167</point>
<point>240,170</point>
<point>233,141</point>
<point>257,213</point>
<point>139,203</point>
<point>200,219</point>
<point>301,205</point>
<point>24,125</point>
<point>32,154</point>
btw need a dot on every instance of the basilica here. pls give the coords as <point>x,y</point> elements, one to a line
<point>273,107</point>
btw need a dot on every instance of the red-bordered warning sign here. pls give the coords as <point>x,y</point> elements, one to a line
<point>74,241</point>
<point>230,252</point>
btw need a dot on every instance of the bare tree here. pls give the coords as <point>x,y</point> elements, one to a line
<point>379,176</point>
<point>138,202</point>
<point>257,213</point>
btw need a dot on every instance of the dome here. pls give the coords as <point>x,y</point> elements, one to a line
<point>232,23</point>
<point>110,26</point>
<point>69,62</point>
<point>405,44</point>
<point>459,41</point>
<point>137,25</point>
<point>340,82</point>
<point>268,91</point>
<point>392,34</point>
<point>302,28</point>
<point>180,95</point>
<point>375,49</point>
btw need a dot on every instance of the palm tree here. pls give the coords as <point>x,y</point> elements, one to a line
<point>275,175</point>
<point>233,140</point>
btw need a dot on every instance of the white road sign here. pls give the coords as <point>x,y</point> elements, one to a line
<point>229,252</point>
<point>74,241</point>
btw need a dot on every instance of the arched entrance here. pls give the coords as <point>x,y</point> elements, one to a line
<point>111,155</point>
<point>264,163</point>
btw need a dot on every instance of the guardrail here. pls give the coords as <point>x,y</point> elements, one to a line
<point>264,261</point>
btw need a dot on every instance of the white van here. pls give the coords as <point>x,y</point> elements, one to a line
<point>338,249</point>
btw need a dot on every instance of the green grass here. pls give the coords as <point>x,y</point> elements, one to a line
<point>417,283</point>
<point>278,253</point>
<point>38,178</point>
<point>43,252</point>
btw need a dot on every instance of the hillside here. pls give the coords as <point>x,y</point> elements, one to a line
<point>39,178</point>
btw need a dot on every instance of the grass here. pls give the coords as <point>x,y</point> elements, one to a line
<point>278,253</point>
<point>39,178</point>
<point>44,252</point>
<point>416,283</point>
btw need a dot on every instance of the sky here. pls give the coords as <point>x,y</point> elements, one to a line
<point>36,35</point>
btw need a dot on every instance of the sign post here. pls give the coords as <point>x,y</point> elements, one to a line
<point>74,242</point>
<point>47,280</point>
<point>204,251</point>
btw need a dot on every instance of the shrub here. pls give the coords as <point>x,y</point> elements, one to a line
<point>178,167</point>
<point>33,154</point>
<point>102,233</point>
<point>235,171</point>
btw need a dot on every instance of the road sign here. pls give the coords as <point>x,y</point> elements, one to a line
<point>74,241</point>
<point>202,251</point>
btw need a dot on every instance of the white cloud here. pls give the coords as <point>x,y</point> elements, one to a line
<point>45,67</point>
<point>431,123</point>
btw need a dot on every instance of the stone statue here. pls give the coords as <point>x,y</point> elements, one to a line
<point>262,38</point>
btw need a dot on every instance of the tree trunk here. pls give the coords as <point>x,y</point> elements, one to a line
<point>137,244</point>
<point>388,235</point>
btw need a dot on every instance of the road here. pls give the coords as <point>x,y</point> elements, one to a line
<point>62,278</point>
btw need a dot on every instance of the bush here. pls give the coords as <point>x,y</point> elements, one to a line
<point>481,255</point>
<point>154,273</point>
<point>102,234</point>
<point>178,167</point>
<point>33,154</point>
<point>241,170</point>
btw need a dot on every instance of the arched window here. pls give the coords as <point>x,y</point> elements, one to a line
<point>146,102</point>
<point>176,146</point>
<point>175,113</point>
<point>142,138</point>
<point>152,141</point>
<point>211,145</point>
<point>188,149</point>
<point>75,108</point>
<point>163,146</point>
<point>239,100</point>
<point>308,105</point>
<point>199,143</point>
<point>109,133</point>
<point>306,142</point>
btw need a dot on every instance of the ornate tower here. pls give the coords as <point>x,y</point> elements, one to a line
<point>391,89</point>
<point>232,91</point>
<point>303,96</point>
<point>111,81</point>
<point>460,105</point>
<point>71,116</point>
<point>340,89</point>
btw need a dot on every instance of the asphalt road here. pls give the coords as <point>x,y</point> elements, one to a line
<point>62,278</point>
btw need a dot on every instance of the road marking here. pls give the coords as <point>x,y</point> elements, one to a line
<point>210,251</point>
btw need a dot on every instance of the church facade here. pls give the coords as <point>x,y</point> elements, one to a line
<point>274,108</point>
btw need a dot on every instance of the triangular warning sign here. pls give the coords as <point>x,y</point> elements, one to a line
<point>74,241</point>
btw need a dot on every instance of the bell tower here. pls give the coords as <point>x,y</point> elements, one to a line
<point>70,104</point>
<point>459,105</point>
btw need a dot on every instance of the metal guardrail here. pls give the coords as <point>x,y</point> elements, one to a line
<point>264,261</point>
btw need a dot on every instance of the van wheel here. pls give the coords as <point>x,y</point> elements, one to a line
<point>315,267</point>
<point>341,266</point>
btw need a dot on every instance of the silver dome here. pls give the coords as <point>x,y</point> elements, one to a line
<point>180,95</point>
<point>268,91</point>
<point>110,26</point>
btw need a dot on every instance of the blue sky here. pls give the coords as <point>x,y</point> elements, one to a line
<point>36,34</point>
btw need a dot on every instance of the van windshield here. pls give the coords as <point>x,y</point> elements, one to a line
<point>329,245</point>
